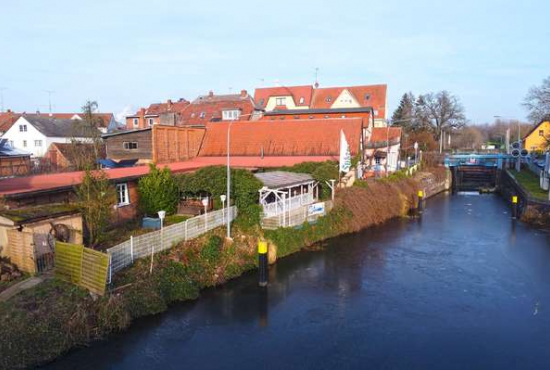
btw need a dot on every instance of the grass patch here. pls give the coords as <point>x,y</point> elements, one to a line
<point>531,183</point>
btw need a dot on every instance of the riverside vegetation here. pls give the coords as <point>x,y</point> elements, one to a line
<point>42,323</point>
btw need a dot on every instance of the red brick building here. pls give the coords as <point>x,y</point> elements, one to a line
<point>157,113</point>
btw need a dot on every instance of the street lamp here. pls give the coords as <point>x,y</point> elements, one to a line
<point>229,173</point>
<point>205,204</point>
<point>222,198</point>
<point>162,215</point>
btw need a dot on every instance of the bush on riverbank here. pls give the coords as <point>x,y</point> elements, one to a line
<point>48,320</point>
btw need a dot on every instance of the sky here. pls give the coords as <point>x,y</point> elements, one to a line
<point>126,54</point>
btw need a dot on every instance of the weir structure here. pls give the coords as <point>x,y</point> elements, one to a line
<point>476,172</point>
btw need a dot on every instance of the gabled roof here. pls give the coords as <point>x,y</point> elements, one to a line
<point>7,119</point>
<point>309,137</point>
<point>168,107</point>
<point>547,119</point>
<point>262,95</point>
<point>380,134</point>
<point>209,108</point>
<point>53,127</point>
<point>366,96</point>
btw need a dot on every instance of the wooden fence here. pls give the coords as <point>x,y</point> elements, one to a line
<point>20,250</point>
<point>82,266</point>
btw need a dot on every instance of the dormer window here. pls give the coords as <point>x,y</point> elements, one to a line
<point>135,121</point>
<point>328,99</point>
<point>302,100</point>
<point>367,96</point>
<point>280,101</point>
<point>202,115</point>
<point>228,115</point>
<point>150,122</point>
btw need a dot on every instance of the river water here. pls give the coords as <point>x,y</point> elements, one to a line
<point>463,287</point>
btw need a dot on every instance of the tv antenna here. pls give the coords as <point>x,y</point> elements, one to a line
<point>2,98</point>
<point>316,76</point>
<point>50,92</point>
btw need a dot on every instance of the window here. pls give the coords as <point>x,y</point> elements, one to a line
<point>343,116</point>
<point>22,128</point>
<point>130,145</point>
<point>328,99</point>
<point>136,122</point>
<point>150,122</point>
<point>202,115</point>
<point>367,96</point>
<point>541,132</point>
<point>302,100</point>
<point>122,197</point>
<point>230,114</point>
<point>262,101</point>
<point>193,115</point>
<point>24,143</point>
<point>377,160</point>
<point>38,143</point>
<point>280,101</point>
<point>326,115</point>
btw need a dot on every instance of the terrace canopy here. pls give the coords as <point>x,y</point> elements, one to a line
<point>285,191</point>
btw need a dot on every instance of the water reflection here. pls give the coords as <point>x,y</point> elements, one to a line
<point>460,287</point>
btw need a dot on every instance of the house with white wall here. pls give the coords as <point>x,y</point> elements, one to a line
<point>34,134</point>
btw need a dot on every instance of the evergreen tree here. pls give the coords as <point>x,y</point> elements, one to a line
<point>404,114</point>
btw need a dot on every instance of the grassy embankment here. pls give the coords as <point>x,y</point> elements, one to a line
<point>531,183</point>
<point>42,323</point>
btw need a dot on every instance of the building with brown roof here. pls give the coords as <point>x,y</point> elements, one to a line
<point>156,113</point>
<point>316,138</point>
<point>216,108</point>
<point>309,102</point>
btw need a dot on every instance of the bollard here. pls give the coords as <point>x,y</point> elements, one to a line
<point>262,263</point>
<point>514,206</point>
<point>420,200</point>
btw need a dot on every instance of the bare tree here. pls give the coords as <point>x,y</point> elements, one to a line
<point>84,154</point>
<point>537,101</point>
<point>439,112</point>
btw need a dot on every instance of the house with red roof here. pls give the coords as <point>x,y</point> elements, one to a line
<point>382,151</point>
<point>312,102</point>
<point>212,108</point>
<point>156,113</point>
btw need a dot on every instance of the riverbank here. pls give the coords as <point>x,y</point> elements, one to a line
<point>44,322</point>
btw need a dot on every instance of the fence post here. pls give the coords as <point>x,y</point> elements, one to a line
<point>110,269</point>
<point>132,248</point>
<point>186,229</point>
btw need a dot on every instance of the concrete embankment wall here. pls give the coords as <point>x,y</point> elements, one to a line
<point>531,210</point>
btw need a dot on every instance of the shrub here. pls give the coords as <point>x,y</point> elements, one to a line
<point>211,250</point>
<point>175,283</point>
<point>158,191</point>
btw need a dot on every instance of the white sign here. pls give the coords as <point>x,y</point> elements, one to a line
<point>345,155</point>
<point>316,209</point>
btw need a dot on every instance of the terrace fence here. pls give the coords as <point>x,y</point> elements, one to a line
<point>125,253</point>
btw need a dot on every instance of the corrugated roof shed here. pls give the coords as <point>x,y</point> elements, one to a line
<point>283,179</point>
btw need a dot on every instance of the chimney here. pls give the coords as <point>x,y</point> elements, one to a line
<point>316,84</point>
<point>244,93</point>
<point>9,110</point>
<point>210,94</point>
<point>169,104</point>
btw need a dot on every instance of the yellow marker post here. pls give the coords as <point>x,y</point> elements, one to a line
<point>262,263</point>
<point>420,200</point>
<point>514,206</point>
<point>515,199</point>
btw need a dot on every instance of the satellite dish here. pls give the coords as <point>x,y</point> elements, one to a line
<point>516,145</point>
<point>515,153</point>
<point>524,153</point>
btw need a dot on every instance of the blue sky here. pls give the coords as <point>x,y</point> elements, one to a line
<point>126,54</point>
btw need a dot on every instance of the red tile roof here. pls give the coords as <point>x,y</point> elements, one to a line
<point>380,134</point>
<point>212,107</point>
<point>63,181</point>
<point>366,96</point>
<point>262,95</point>
<point>309,137</point>
<point>7,119</point>
<point>168,107</point>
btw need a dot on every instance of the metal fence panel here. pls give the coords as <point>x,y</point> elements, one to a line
<point>124,254</point>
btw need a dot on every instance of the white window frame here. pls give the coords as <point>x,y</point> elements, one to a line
<point>24,143</point>
<point>228,115</point>
<point>302,100</point>
<point>135,122</point>
<point>38,143</point>
<point>280,101</point>
<point>22,128</point>
<point>202,115</point>
<point>127,145</point>
<point>122,194</point>
<point>150,122</point>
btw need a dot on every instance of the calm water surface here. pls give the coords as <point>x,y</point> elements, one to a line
<point>462,288</point>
